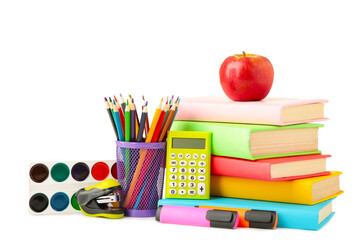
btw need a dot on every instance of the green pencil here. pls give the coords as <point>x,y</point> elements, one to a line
<point>127,123</point>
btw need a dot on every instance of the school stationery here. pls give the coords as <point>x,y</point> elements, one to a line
<point>251,218</point>
<point>127,124</point>
<point>202,217</point>
<point>297,216</point>
<point>188,165</point>
<point>118,123</point>
<point>101,200</point>
<point>122,103</point>
<point>52,185</point>
<point>250,141</point>
<point>141,172</point>
<point>168,122</point>
<point>307,191</point>
<point>144,117</point>
<point>272,169</point>
<point>111,116</point>
<point>154,122</point>
<point>270,111</point>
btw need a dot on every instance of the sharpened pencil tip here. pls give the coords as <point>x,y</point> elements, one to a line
<point>105,99</point>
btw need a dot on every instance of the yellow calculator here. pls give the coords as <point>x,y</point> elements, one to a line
<point>188,161</point>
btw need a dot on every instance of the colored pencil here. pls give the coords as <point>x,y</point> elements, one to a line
<point>168,123</point>
<point>122,104</point>
<point>111,107</point>
<point>118,123</point>
<point>146,122</point>
<point>142,123</point>
<point>154,122</point>
<point>136,119</point>
<point>127,123</point>
<point>111,118</point>
<point>159,125</point>
<point>132,116</point>
<point>121,114</point>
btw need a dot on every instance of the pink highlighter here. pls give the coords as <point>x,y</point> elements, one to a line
<point>194,216</point>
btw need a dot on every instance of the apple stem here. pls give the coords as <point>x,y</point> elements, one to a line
<point>244,54</point>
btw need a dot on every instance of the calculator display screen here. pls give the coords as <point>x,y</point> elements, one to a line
<point>188,143</point>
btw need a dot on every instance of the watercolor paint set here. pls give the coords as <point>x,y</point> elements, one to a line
<point>52,185</point>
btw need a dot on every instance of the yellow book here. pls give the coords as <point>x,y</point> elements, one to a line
<point>307,191</point>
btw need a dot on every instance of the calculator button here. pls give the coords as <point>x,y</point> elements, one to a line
<point>173,163</point>
<point>203,156</point>
<point>180,155</point>
<point>182,170</point>
<point>192,177</point>
<point>173,177</point>
<point>192,185</point>
<point>192,192</point>
<point>172,191</point>
<point>173,155</point>
<point>182,191</point>
<point>182,177</point>
<point>195,156</point>
<point>192,170</point>
<point>173,170</point>
<point>182,184</point>
<point>173,184</point>
<point>192,163</point>
<point>202,163</point>
<point>202,178</point>
<point>188,156</point>
<point>202,171</point>
<point>201,188</point>
<point>183,163</point>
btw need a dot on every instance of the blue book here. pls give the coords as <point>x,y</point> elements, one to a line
<point>298,216</point>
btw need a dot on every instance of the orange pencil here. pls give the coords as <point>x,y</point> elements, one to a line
<point>154,122</point>
<point>160,123</point>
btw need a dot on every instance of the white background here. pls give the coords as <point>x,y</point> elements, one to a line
<point>59,59</point>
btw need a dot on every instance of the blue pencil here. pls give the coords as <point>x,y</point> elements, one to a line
<point>118,123</point>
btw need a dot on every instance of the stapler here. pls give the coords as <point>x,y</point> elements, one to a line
<point>101,200</point>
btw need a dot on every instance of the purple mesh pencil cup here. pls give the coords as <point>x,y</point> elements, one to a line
<point>141,168</point>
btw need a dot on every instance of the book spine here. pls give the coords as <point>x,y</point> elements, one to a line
<point>231,113</point>
<point>289,215</point>
<point>282,191</point>
<point>232,167</point>
<point>229,141</point>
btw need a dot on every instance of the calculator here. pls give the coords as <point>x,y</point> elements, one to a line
<point>188,161</point>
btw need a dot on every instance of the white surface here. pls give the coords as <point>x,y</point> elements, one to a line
<point>59,59</point>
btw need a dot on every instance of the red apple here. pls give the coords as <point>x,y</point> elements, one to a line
<point>246,77</point>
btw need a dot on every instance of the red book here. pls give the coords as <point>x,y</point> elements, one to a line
<point>271,169</point>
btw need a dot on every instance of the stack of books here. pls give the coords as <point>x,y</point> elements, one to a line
<point>265,156</point>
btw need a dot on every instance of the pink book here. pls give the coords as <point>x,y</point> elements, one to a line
<point>270,111</point>
<point>272,169</point>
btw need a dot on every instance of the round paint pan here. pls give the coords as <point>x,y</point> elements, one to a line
<point>38,202</point>
<point>60,172</point>
<point>114,171</point>
<point>100,171</point>
<point>39,173</point>
<point>59,201</point>
<point>80,171</point>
